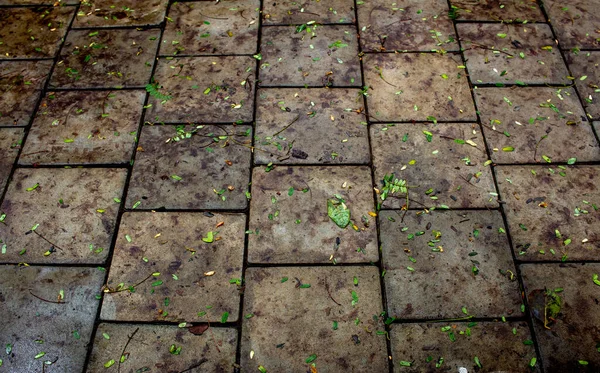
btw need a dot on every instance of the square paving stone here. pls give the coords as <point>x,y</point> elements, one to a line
<point>203,89</point>
<point>438,263</point>
<point>523,125</point>
<point>289,215</point>
<point>293,12</point>
<point>497,346</point>
<point>60,215</point>
<point>208,28</point>
<point>575,22</point>
<point>572,336</point>
<point>553,214</point>
<point>10,143</point>
<point>503,53</point>
<point>98,13</point>
<point>414,25</point>
<point>302,312</point>
<point>20,86</point>
<point>317,56</point>
<point>209,170</point>
<point>174,245</point>
<point>84,127</point>
<point>521,11</point>
<point>33,32</point>
<point>408,87</point>
<point>106,58</point>
<point>443,164</point>
<point>149,348</point>
<point>34,323</point>
<point>585,67</point>
<point>324,127</point>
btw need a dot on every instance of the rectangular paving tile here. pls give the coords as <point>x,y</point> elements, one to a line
<point>208,170</point>
<point>84,127</point>
<point>442,164</point>
<point>524,125</point>
<point>520,11</point>
<point>317,56</point>
<point>10,143</point>
<point>324,316</point>
<point>106,59</point>
<point>209,28</point>
<point>565,298</point>
<point>511,53</point>
<point>585,67</point>
<point>194,257</point>
<point>33,32</point>
<point>575,22</point>
<point>289,215</point>
<point>408,87</point>
<point>427,257</point>
<point>288,12</point>
<point>20,86</point>
<point>149,349</point>
<point>413,25</point>
<point>463,347</point>
<point>552,211</point>
<point>203,89</point>
<point>97,13</point>
<point>39,333</point>
<point>310,126</point>
<point>60,215</point>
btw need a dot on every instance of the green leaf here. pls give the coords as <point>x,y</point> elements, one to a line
<point>405,363</point>
<point>209,237</point>
<point>291,191</point>
<point>41,354</point>
<point>533,362</point>
<point>338,212</point>
<point>571,160</point>
<point>595,279</point>
<point>109,363</point>
<point>311,358</point>
<point>476,359</point>
<point>508,149</point>
<point>175,177</point>
<point>224,317</point>
<point>33,187</point>
<point>284,280</point>
<point>428,135</point>
<point>547,159</point>
<point>262,369</point>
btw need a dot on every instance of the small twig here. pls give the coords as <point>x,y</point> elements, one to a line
<point>47,240</point>
<point>202,361</point>
<point>45,300</point>
<point>487,48</point>
<point>536,147</point>
<point>203,15</point>
<point>129,338</point>
<point>286,127</point>
<point>329,293</point>
<point>109,290</point>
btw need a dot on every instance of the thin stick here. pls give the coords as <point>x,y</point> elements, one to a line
<point>329,293</point>
<point>286,127</point>
<point>47,240</point>
<point>202,361</point>
<point>124,348</point>
<point>45,300</point>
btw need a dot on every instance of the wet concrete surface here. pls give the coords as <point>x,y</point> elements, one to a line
<point>299,186</point>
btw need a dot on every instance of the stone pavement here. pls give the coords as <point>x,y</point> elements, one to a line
<point>299,186</point>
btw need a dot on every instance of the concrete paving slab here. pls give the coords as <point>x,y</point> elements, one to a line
<point>209,28</point>
<point>311,126</point>
<point>519,11</point>
<point>10,143</point>
<point>413,25</point>
<point>192,274</point>
<point>511,54</point>
<point>317,56</point>
<point>40,334</point>
<point>585,67</point>
<point>453,152</point>
<point>289,216</point>
<point>552,215</point>
<point>575,22</point>
<point>203,89</point>
<point>208,170</point>
<point>438,263</point>
<point>106,58</point>
<point>300,12</point>
<point>88,127</point>
<point>332,324</point>
<point>61,215</point>
<point>523,125</point>
<point>569,342</point>
<point>39,2</point>
<point>33,32</point>
<point>149,349</point>
<point>98,13</point>
<point>408,87</point>
<point>498,347</point>
<point>20,86</point>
